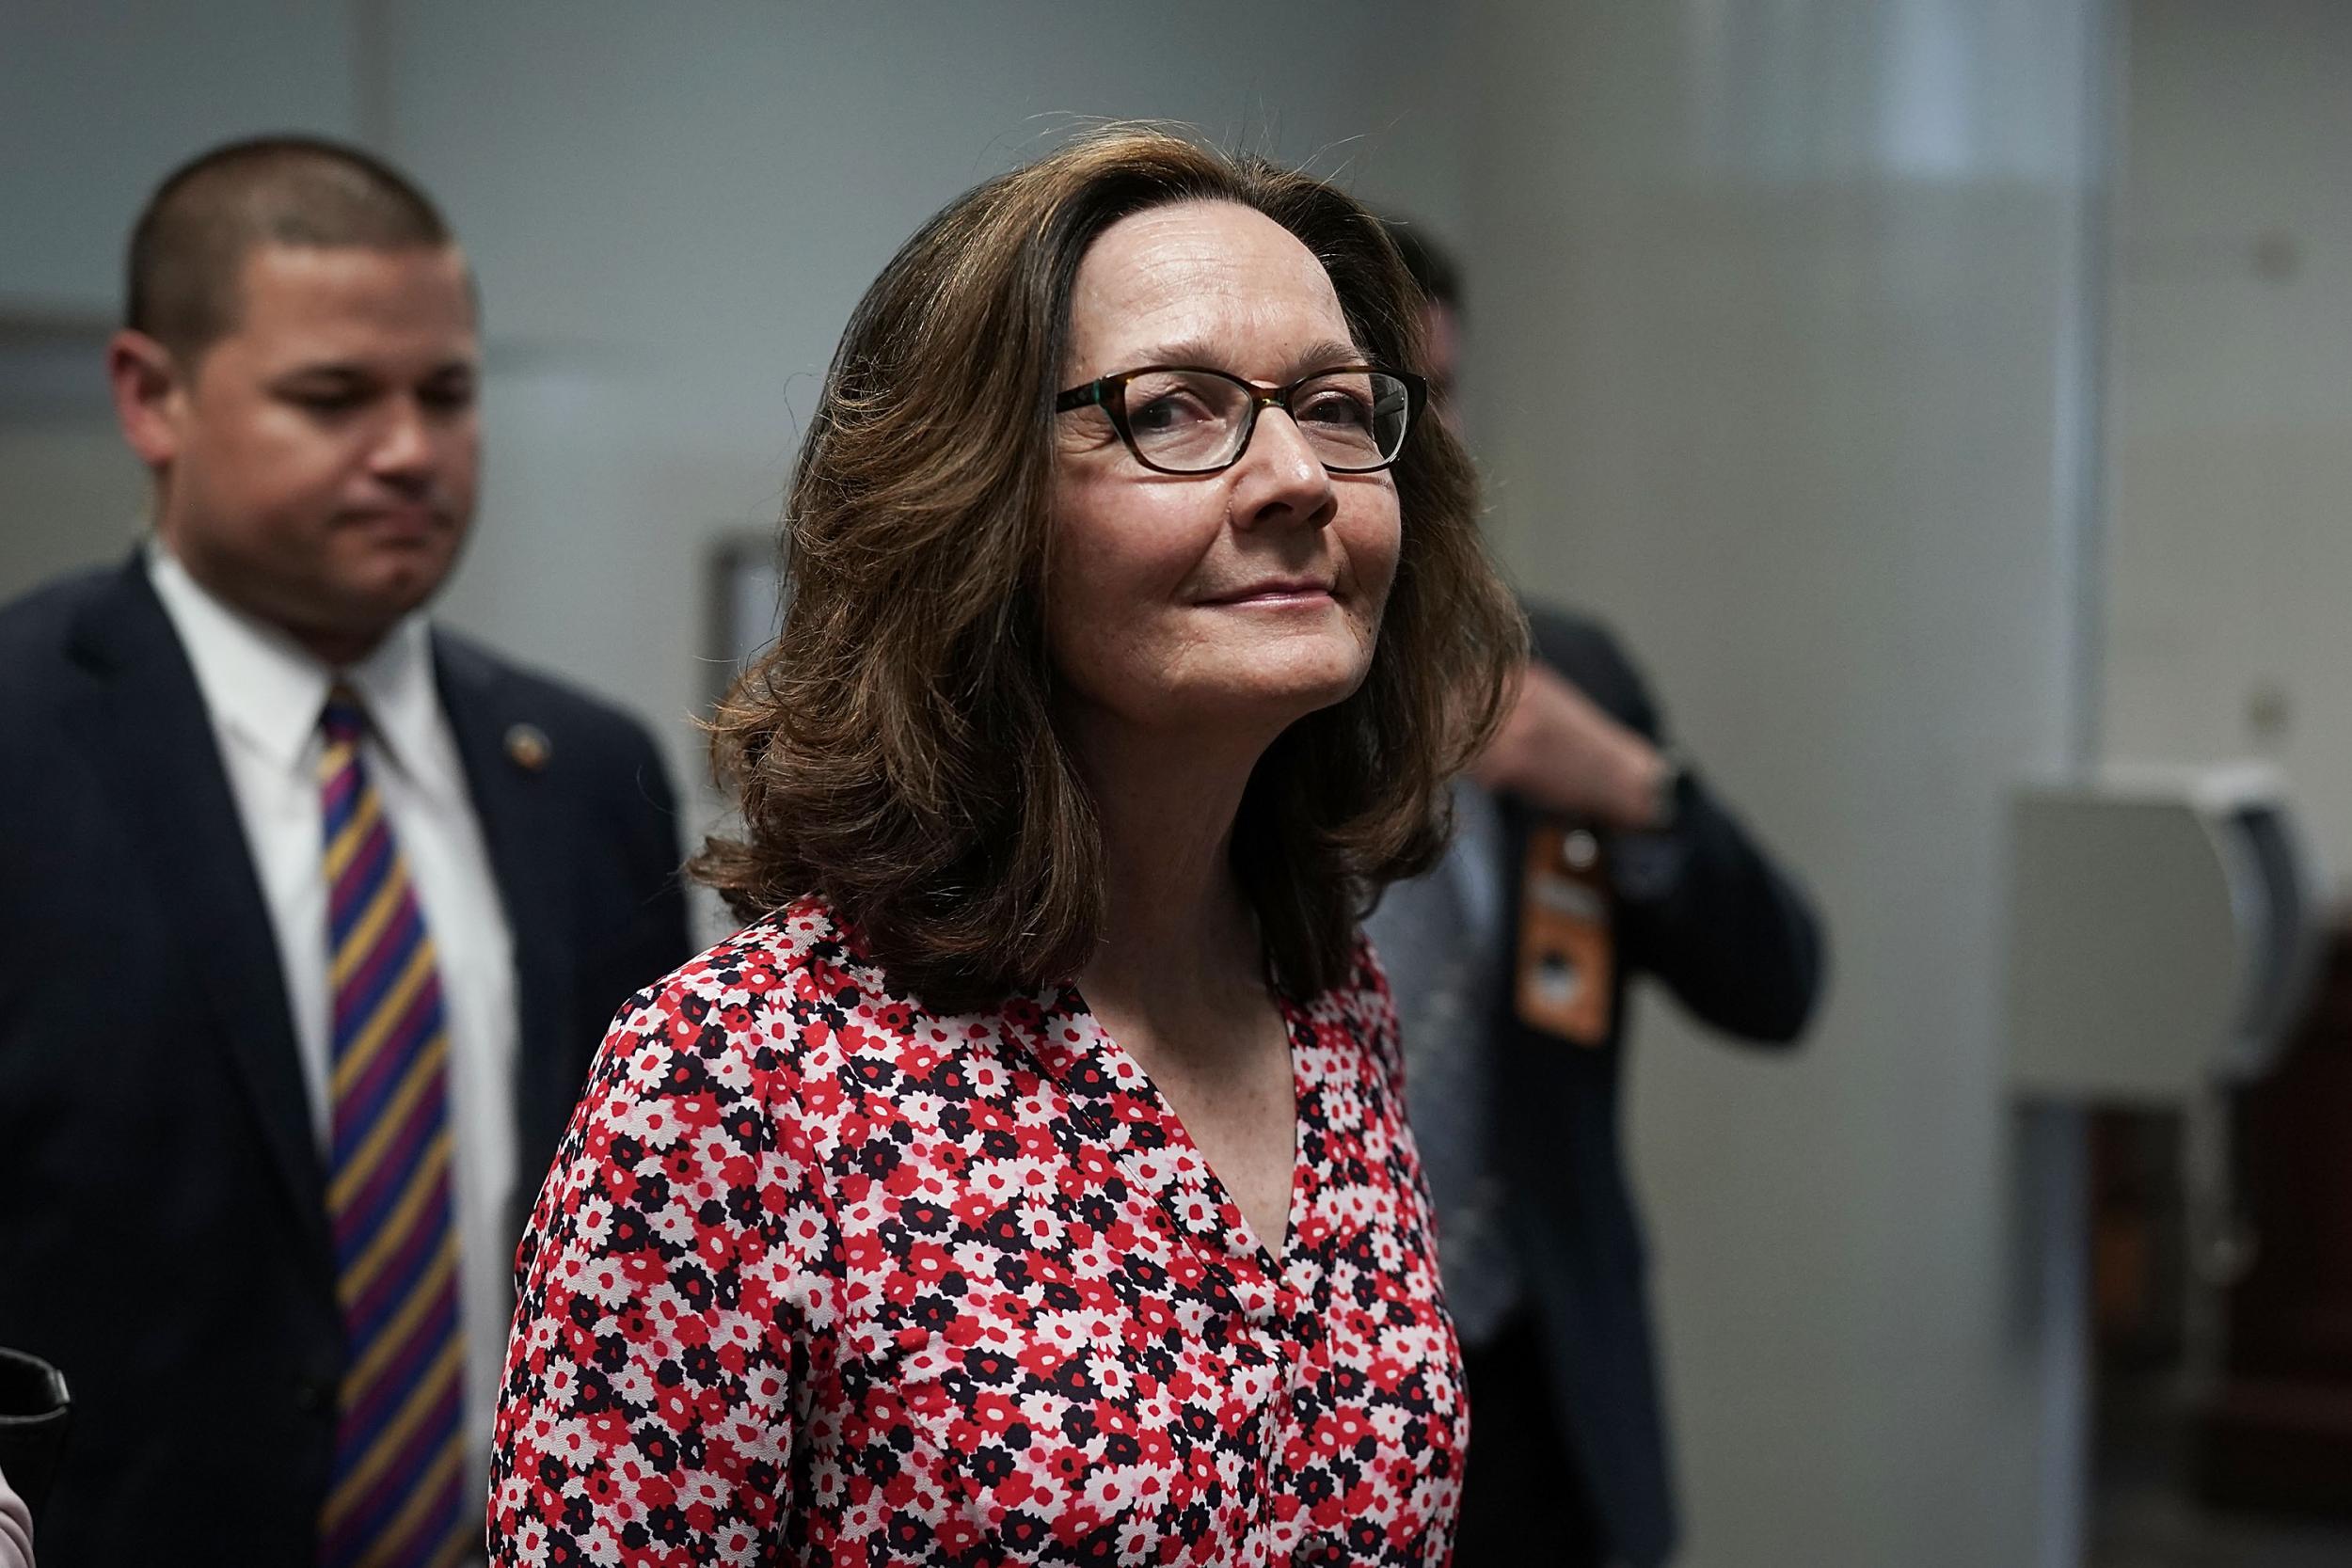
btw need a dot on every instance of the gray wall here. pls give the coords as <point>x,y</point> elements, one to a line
<point>1790,378</point>
<point>97,101</point>
<point>2230,539</point>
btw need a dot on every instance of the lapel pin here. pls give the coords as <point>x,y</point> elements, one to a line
<point>527,746</point>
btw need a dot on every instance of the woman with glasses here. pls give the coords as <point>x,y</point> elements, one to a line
<point>1028,1181</point>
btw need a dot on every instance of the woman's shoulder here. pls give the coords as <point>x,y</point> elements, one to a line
<point>802,952</point>
<point>804,944</point>
<point>794,994</point>
<point>1350,1048</point>
<point>1358,1004</point>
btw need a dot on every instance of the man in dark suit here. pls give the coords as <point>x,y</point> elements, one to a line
<point>312,916</point>
<point>1588,851</point>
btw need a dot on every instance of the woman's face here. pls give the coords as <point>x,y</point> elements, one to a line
<point>1231,601</point>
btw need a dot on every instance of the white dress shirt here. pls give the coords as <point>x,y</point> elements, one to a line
<point>264,695</point>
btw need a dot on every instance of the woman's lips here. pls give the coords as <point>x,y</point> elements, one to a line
<point>1285,593</point>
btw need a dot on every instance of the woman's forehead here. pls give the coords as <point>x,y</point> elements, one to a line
<point>1208,273</point>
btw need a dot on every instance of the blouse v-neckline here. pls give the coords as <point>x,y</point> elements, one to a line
<point>1094,1068</point>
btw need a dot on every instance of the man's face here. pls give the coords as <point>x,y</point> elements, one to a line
<point>318,462</point>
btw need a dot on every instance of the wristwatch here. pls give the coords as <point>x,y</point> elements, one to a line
<point>1645,866</point>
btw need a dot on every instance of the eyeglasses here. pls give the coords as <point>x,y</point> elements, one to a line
<point>1187,420</point>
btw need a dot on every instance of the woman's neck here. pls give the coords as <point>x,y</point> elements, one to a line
<point>1177,928</point>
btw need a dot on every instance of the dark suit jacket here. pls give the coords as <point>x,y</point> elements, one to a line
<point>1736,943</point>
<point>163,1225</point>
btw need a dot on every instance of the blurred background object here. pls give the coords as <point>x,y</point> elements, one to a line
<point>1940,393</point>
<point>35,1408</point>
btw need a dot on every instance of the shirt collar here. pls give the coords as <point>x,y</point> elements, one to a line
<point>260,683</point>
<point>395,685</point>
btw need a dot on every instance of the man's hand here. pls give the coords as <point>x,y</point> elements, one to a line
<point>1559,752</point>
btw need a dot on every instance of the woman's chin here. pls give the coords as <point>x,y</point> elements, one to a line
<point>1262,689</point>
<point>1276,698</point>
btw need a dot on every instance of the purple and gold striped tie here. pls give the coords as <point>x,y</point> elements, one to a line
<point>397,1495</point>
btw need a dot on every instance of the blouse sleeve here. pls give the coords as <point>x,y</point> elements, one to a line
<point>679,1283</point>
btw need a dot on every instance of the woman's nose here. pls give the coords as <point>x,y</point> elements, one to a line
<point>1281,479</point>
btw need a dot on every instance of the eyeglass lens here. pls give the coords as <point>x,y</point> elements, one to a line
<point>1191,421</point>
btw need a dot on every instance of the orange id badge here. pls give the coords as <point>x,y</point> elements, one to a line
<point>1567,950</point>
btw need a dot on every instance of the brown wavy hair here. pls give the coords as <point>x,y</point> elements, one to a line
<point>894,749</point>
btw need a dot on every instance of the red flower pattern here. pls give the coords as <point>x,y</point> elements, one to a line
<point>822,1278</point>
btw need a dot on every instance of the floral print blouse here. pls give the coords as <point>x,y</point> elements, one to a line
<point>821,1278</point>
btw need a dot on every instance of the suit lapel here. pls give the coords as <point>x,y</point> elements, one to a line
<point>151,741</point>
<point>522,825</point>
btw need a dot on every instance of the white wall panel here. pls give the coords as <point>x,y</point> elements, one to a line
<point>99,99</point>
<point>1778,362</point>
<point>2231,545</point>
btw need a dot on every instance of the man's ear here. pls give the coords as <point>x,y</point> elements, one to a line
<point>151,395</point>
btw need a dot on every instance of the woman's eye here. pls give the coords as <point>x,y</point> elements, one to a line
<point>1169,411</point>
<point>1335,408</point>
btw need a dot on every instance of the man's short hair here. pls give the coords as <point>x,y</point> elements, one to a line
<point>189,245</point>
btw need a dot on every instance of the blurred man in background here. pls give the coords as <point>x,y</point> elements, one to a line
<point>310,914</point>
<point>1588,850</point>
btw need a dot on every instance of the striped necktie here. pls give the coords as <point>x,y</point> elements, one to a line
<point>397,1496</point>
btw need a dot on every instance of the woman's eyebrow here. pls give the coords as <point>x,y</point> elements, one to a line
<point>1325,355</point>
<point>1204,355</point>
